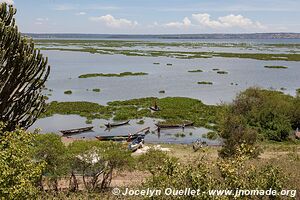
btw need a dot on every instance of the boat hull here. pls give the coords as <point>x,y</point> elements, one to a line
<point>76,131</point>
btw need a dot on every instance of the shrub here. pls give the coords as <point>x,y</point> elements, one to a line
<point>19,172</point>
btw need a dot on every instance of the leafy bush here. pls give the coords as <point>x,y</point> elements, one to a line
<point>19,173</point>
<point>231,174</point>
<point>152,160</point>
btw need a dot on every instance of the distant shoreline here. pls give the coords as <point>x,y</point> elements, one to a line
<point>168,36</point>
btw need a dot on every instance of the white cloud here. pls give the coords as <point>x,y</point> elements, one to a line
<point>113,22</point>
<point>228,21</point>
<point>81,13</point>
<point>10,2</point>
<point>186,22</point>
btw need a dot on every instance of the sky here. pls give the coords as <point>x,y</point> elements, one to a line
<point>157,16</point>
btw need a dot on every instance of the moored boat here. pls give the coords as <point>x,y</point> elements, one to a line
<point>136,143</point>
<point>76,130</point>
<point>127,138</point>
<point>110,125</point>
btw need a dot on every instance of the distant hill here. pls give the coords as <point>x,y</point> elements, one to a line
<point>171,36</point>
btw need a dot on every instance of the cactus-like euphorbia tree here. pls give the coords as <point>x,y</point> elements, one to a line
<point>23,72</point>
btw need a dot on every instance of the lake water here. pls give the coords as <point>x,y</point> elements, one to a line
<point>175,80</point>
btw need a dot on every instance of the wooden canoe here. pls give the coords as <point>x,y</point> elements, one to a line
<point>174,125</point>
<point>110,125</point>
<point>128,137</point>
<point>76,130</point>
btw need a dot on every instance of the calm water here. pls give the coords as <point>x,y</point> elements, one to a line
<point>175,80</point>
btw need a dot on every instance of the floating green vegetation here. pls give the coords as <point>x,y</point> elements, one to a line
<point>117,47</point>
<point>276,67</point>
<point>196,70</point>
<point>222,72</point>
<point>68,92</point>
<point>173,109</point>
<point>140,122</point>
<point>113,75</point>
<point>162,92</point>
<point>215,69</point>
<point>169,64</point>
<point>205,82</point>
<point>212,135</point>
<point>82,108</point>
<point>88,121</point>
<point>180,134</point>
<point>96,90</point>
<point>156,63</point>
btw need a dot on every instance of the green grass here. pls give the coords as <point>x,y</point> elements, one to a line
<point>140,122</point>
<point>276,67</point>
<point>205,83</point>
<point>113,75</point>
<point>96,90</point>
<point>180,134</point>
<point>173,109</point>
<point>196,70</point>
<point>68,92</point>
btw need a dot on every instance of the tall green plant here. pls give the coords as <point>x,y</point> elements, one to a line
<point>23,72</point>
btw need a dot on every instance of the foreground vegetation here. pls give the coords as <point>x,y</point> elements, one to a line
<point>46,168</point>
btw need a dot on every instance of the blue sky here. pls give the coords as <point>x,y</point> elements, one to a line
<point>157,16</point>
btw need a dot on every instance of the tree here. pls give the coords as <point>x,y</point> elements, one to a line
<point>23,72</point>
<point>50,149</point>
<point>95,161</point>
<point>19,173</point>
